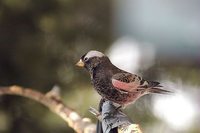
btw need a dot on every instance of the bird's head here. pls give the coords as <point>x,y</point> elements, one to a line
<point>92,59</point>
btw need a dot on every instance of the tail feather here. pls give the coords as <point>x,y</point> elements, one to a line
<point>159,91</point>
<point>155,87</point>
<point>152,84</point>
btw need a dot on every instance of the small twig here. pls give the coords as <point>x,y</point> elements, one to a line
<point>96,113</point>
<point>53,101</point>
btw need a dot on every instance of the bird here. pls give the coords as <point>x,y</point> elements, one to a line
<point>115,84</point>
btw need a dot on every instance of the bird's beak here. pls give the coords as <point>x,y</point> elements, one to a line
<point>80,63</point>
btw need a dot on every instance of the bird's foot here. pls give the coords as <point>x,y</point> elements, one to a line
<point>116,109</point>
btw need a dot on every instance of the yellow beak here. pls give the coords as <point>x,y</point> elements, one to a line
<point>80,63</point>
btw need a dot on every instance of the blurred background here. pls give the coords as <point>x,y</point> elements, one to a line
<point>41,40</point>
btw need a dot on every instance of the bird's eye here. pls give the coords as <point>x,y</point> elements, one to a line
<point>86,58</point>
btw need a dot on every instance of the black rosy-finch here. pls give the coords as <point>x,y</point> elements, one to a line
<point>114,84</point>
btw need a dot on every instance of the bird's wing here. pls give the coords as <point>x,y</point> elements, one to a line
<point>128,82</point>
<point>133,83</point>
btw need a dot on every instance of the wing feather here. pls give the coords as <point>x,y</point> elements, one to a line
<point>126,81</point>
<point>133,83</point>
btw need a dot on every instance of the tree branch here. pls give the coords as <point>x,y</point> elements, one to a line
<point>52,101</point>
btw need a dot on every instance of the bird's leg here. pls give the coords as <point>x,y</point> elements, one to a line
<point>119,108</point>
<point>116,108</point>
<point>100,104</point>
<point>99,124</point>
